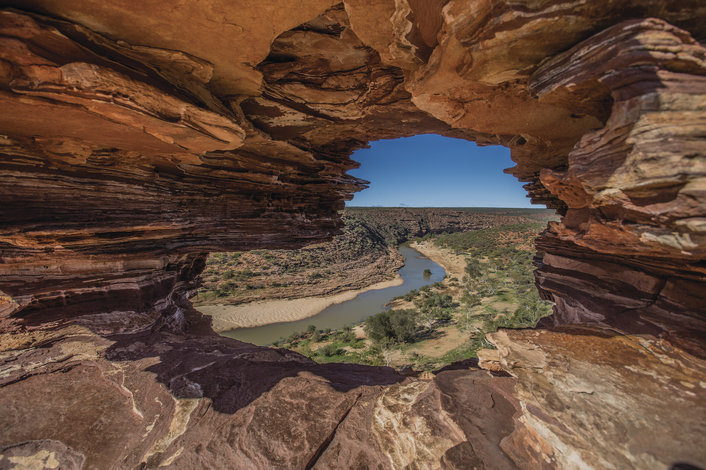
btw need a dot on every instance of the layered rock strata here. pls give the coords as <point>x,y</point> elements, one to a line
<point>134,139</point>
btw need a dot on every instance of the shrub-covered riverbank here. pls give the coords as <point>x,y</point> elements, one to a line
<point>363,254</point>
<point>447,321</point>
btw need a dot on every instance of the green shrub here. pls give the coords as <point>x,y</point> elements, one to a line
<point>429,301</point>
<point>473,268</point>
<point>347,337</point>
<point>410,295</point>
<point>331,350</point>
<point>398,326</point>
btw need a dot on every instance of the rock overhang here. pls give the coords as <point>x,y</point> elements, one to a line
<point>135,143</point>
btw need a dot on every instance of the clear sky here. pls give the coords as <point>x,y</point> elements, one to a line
<point>434,171</point>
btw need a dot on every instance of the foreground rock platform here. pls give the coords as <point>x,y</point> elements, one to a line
<point>202,401</point>
<point>135,139</point>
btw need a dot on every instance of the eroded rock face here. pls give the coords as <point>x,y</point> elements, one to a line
<point>575,383</point>
<point>163,397</point>
<point>132,143</point>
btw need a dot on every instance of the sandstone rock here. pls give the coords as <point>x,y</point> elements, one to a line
<point>159,398</point>
<point>594,396</point>
<point>134,139</point>
<point>44,454</point>
<point>489,359</point>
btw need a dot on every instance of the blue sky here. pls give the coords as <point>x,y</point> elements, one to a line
<point>435,171</point>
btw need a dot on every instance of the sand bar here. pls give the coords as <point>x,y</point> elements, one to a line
<point>228,317</point>
<point>454,265</point>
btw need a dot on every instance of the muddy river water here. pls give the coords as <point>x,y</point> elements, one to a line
<point>351,311</point>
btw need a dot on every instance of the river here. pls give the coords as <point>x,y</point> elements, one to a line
<point>351,311</point>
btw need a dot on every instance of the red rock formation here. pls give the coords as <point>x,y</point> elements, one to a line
<point>134,139</point>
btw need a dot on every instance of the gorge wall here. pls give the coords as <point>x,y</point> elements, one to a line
<point>136,138</point>
<point>364,253</point>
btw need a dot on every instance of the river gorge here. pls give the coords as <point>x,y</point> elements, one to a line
<point>137,139</point>
<point>348,312</point>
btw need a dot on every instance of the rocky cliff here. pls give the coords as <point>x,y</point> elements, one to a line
<point>135,138</point>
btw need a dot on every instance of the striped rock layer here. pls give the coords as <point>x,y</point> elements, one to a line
<point>136,137</point>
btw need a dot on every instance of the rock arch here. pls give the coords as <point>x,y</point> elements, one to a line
<point>133,142</point>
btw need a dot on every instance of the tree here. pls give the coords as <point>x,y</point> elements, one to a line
<point>487,287</point>
<point>434,299</point>
<point>530,310</point>
<point>443,314</point>
<point>473,268</point>
<point>387,355</point>
<point>346,335</point>
<point>470,300</point>
<point>433,308</point>
<point>520,276</point>
<point>331,350</point>
<point>410,295</point>
<point>387,348</point>
<point>428,318</point>
<point>393,325</point>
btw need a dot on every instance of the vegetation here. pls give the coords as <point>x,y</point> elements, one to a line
<point>515,237</point>
<point>444,322</point>
<point>264,274</point>
<point>361,255</point>
<point>392,326</point>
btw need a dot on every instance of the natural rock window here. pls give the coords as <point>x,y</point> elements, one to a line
<point>135,139</point>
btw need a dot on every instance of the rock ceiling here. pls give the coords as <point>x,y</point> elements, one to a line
<point>135,137</point>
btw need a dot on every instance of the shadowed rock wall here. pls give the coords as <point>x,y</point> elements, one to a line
<point>134,139</point>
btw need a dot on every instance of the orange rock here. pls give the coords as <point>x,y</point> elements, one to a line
<point>136,138</point>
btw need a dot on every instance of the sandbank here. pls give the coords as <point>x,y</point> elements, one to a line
<point>229,317</point>
<point>454,265</point>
